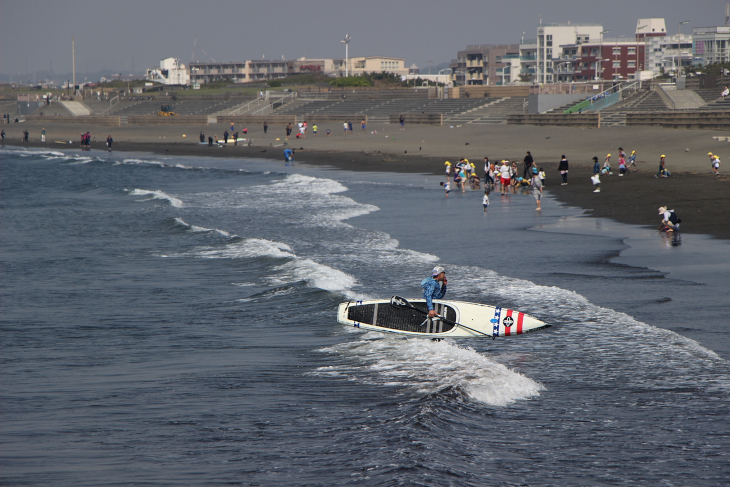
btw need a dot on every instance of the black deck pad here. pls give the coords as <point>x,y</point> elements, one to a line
<point>401,319</point>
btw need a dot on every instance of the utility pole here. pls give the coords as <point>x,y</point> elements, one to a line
<point>73,60</point>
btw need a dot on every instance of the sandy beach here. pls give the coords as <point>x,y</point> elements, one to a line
<point>698,196</point>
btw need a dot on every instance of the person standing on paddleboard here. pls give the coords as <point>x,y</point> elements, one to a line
<point>431,289</point>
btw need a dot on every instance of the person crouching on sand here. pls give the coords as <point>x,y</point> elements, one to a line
<point>670,220</point>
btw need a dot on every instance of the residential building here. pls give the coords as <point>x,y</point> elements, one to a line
<point>711,44</point>
<point>549,39</point>
<point>170,72</point>
<point>369,64</point>
<point>265,69</point>
<point>528,60</point>
<point>478,64</point>
<point>609,59</point>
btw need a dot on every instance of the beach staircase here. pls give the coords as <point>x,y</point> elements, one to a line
<point>492,111</point>
<point>713,100</point>
<point>642,101</point>
<point>76,107</point>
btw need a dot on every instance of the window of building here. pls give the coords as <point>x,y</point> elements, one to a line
<point>632,51</point>
<point>549,40</point>
<point>631,64</point>
<point>594,51</point>
<point>616,50</point>
<point>617,64</point>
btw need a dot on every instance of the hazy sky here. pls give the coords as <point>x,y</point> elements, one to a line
<point>124,35</point>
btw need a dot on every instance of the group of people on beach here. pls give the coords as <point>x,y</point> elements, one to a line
<point>505,175</point>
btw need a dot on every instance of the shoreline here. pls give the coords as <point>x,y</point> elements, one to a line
<point>699,197</point>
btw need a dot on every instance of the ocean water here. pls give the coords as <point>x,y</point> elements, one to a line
<point>171,321</point>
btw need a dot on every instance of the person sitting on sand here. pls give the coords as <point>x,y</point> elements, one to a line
<point>607,165</point>
<point>725,92</point>
<point>475,181</point>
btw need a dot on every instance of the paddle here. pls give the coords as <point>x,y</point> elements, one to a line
<point>402,303</point>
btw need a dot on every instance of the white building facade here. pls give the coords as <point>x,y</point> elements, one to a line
<point>549,39</point>
<point>711,44</point>
<point>170,72</point>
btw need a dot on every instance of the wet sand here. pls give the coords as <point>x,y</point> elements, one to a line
<point>699,197</point>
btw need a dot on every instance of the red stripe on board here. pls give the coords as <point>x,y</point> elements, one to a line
<point>507,329</point>
<point>520,317</point>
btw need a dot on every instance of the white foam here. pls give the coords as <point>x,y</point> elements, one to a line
<point>197,229</point>
<point>429,368</point>
<point>316,275</point>
<point>159,195</point>
<point>250,247</point>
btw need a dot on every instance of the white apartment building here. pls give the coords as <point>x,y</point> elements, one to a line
<point>549,39</point>
<point>711,44</point>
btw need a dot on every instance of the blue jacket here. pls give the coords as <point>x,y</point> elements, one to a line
<point>431,291</point>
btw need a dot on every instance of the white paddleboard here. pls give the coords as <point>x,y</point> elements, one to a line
<point>463,320</point>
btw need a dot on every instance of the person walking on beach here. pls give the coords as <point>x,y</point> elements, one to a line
<point>448,169</point>
<point>715,163</point>
<point>505,178</point>
<point>431,289</point>
<point>2,137</point>
<point>528,162</point>
<point>288,130</point>
<point>542,175</point>
<point>349,127</point>
<point>402,122</point>
<point>109,142</point>
<point>363,125</point>
<point>266,126</point>
<point>621,164</point>
<point>232,129</point>
<point>536,184</point>
<point>225,136</point>
<point>235,138</point>
<point>202,136</point>
<point>485,200</point>
<point>43,135</point>
<point>563,168</point>
<point>344,126</point>
<point>314,129</point>
<point>632,161</point>
<point>662,168</point>
<point>210,141</point>
<point>25,136</point>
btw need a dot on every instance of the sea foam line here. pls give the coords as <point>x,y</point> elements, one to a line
<point>159,195</point>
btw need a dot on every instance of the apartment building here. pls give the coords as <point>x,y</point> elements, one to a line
<point>479,64</point>
<point>711,44</point>
<point>266,69</point>
<point>549,39</point>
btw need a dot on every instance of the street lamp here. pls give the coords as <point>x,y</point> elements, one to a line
<point>346,42</point>
<point>600,49</point>
<point>679,29</point>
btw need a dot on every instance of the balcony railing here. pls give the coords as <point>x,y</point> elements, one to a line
<point>528,58</point>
